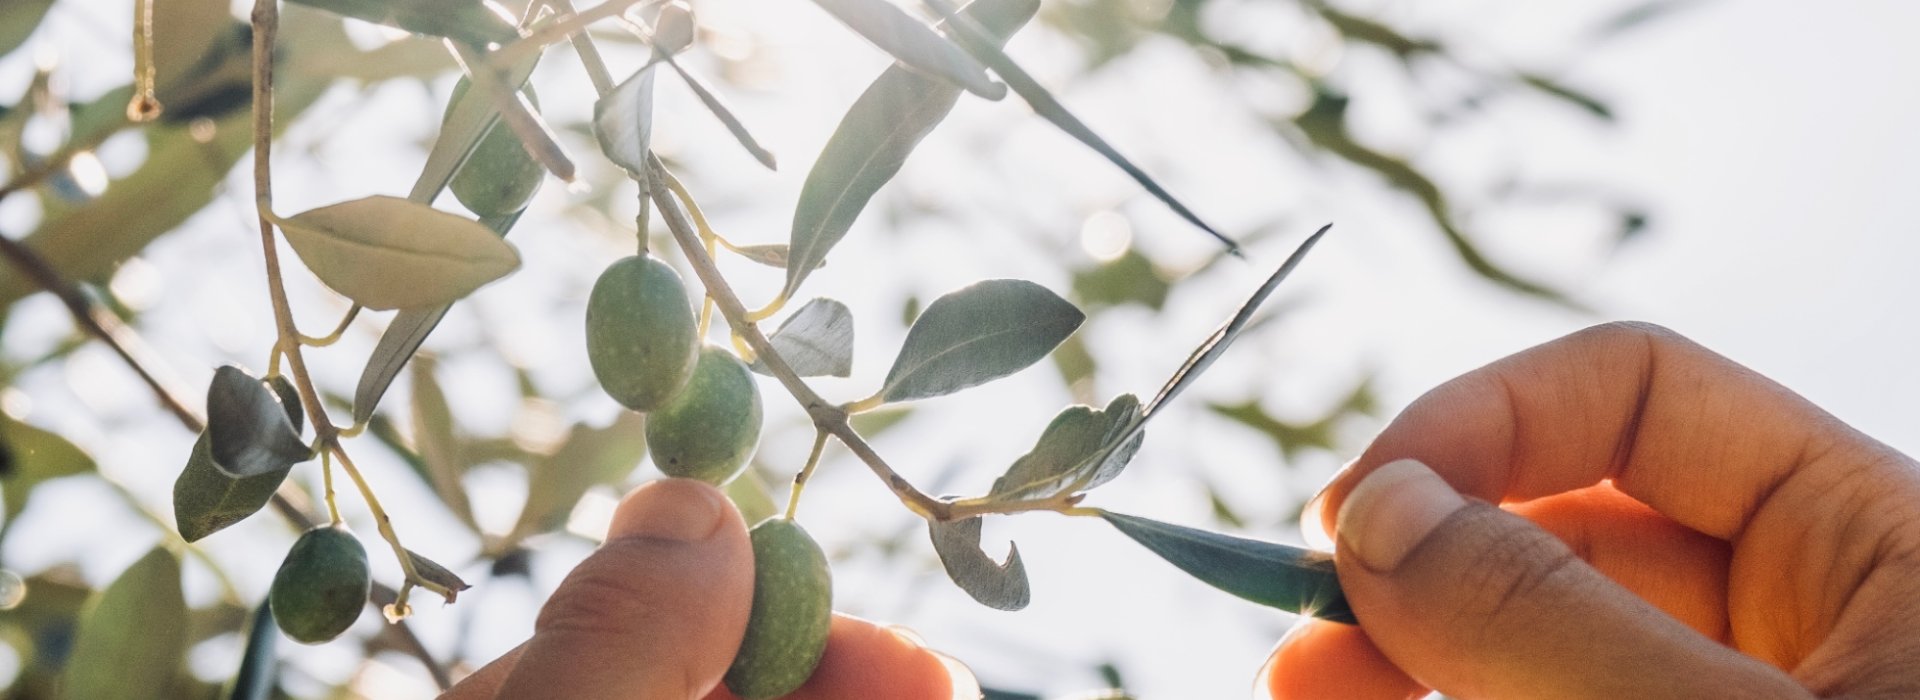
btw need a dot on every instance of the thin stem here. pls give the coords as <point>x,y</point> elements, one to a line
<point>567,27</point>
<point>589,52</point>
<point>143,107</point>
<point>385,524</point>
<point>866,404</point>
<point>338,331</point>
<point>102,324</point>
<point>326,472</point>
<point>806,472</point>
<point>826,416</point>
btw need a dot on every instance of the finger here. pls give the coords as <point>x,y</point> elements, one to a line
<point>484,684</point>
<point>1332,660</point>
<point>657,612</point>
<point>1477,602</point>
<point>864,660</point>
<point>1678,570</point>
<point>1699,438</point>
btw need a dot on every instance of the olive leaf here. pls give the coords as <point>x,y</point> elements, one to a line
<point>872,142</point>
<point>816,341</point>
<point>289,396</point>
<point>132,637</point>
<point>404,334</point>
<point>259,665</point>
<point>980,42</point>
<point>475,23</point>
<point>432,571</point>
<point>589,457</point>
<point>1082,448</point>
<point>391,253</point>
<point>725,115</point>
<point>434,438</point>
<point>995,585</point>
<point>207,500</point>
<point>34,456</point>
<point>623,122</point>
<point>1275,575</point>
<point>1215,344</point>
<point>913,43</point>
<point>249,431</point>
<point>977,334</point>
<point>769,254</point>
<point>1567,93</point>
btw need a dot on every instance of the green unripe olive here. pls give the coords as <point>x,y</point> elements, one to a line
<point>792,608</point>
<point>499,177</point>
<point>640,332</point>
<point>322,586</point>
<point>709,429</point>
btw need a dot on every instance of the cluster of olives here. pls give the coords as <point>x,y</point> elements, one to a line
<point>703,422</point>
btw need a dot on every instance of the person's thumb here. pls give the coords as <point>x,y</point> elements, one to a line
<point>1479,603</point>
<point>657,612</point>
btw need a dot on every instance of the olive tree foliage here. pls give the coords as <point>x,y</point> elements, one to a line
<point>210,91</point>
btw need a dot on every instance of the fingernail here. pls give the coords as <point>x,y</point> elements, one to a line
<point>1391,511</point>
<point>671,509</point>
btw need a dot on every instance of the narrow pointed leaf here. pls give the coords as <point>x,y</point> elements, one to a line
<point>433,571</point>
<point>468,119</point>
<point>623,121</point>
<point>1567,93</point>
<point>873,140</point>
<point>769,254</point>
<point>589,457</point>
<point>259,664</point>
<point>725,115</point>
<point>391,253</point>
<point>248,430</point>
<point>35,456</point>
<point>913,43</point>
<point>132,637</point>
<point>993,584</point>
<point>1275,575</point>
<point>404,334</point>
<point>1217,343</point>
<point>979,42</point>
<point>207,500</point>
<point>433,437</point>
<point>978,334</point>
<point>816,341</point>
<point>1082,448</point>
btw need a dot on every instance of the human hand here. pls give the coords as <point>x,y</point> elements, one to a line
<point>658,611</point>
<point>1672,525</point>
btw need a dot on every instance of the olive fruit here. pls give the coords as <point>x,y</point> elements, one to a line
<point>640,332</point>
<point>792,608</point>
<point>499,177</point>
<point>322,586</point>
<point>709,429</point>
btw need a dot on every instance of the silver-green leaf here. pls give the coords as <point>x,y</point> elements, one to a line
<point>1082,448</point>
<point>913,43</point>
<point>993,584</point>
<point>977,334</point>
<point>132,637</point>
<point>207,500</point>
<point>390,253</point>
<point>29,456</point>
<point>873,141</point>
<point>816,341</point>
<point>1275,575</point>
<point>249,432</point>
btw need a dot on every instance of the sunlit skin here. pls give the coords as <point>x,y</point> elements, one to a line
<point>1713,536</point>
<point>1671,525</point>
<point>658,611</point>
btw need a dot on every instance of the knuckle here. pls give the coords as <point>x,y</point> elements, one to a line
<point>602,597</point>
<point>1512,573</point>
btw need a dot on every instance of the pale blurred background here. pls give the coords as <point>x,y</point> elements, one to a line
<point>1765,144</point>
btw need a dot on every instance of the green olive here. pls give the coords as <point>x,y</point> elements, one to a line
<point>709,429</point>
<point>499,177</point>
<point>640,332</point>
<point>792,609</point>
<point>322,586</point>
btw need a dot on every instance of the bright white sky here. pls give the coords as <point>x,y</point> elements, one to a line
<point>1773,139</point>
